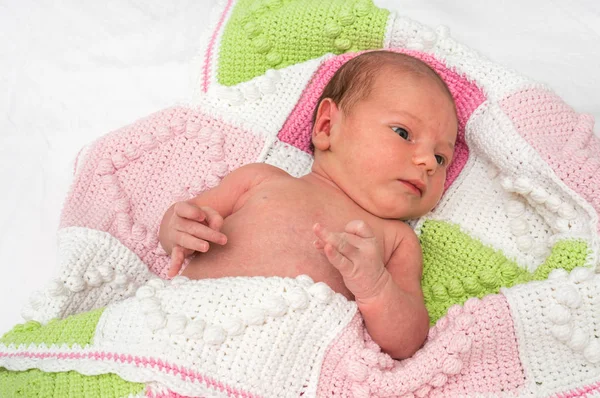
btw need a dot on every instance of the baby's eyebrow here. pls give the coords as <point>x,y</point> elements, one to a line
<point>408,114</point>
<point>449,145</point>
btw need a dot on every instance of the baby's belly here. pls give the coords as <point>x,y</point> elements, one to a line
<point>248,255</point>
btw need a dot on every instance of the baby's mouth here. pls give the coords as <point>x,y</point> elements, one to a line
<point>412,187</point>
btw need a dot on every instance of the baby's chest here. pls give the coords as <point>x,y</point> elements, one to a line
<point>289,217</point>
<point>302,207</point>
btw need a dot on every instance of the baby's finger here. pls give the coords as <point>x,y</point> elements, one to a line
<point>338,260</point>
<point>319,244</point>
<point>191,242</point>
<point>359,228</point>
<point>214,219</point>
<point>320,231</point>
<point>189,211</point>
<point>344,243</point>
<point>177,259</point>
<point>200,231</point>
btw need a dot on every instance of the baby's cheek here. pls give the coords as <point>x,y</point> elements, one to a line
<point>437,190</point>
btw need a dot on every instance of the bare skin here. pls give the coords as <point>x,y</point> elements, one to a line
<point>381,163</point>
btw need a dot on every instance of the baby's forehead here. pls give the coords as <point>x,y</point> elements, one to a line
<point>416,72</point>
<point>392,77</point>
<point>398,67</point>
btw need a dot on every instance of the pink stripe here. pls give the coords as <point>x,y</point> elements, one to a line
<point>168,394</point>
<point>580,392</point>
<point>467,96</point>
<point>209,50</point>
<point>164,367</point>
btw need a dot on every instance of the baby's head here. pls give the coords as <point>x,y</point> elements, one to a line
<point>384,132</point>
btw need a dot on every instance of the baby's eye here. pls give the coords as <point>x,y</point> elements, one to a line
<point>440,160</point>
<point>401,132</point>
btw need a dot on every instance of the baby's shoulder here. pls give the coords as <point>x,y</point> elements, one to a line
<point>250,176</point>
<point>400,227</point>
<point>257,173</point>
<point>263,169</point>
<point>407,254</point>
<point>402,233</point>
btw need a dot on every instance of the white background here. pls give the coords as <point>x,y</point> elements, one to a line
<point>73,70</point>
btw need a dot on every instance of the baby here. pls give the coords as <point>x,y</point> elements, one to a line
<point>384,133</point>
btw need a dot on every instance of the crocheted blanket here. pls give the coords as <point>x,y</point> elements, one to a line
<point>510,253</point>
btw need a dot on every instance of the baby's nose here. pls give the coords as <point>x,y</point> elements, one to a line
<point>425,159</point>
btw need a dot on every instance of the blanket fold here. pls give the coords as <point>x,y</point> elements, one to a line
<point>196,336</point>
<point>241,336</point>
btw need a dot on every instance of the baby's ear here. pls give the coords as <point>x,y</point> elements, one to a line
<point>324,120</point>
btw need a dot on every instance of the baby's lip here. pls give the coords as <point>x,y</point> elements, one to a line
<point>417,184</point>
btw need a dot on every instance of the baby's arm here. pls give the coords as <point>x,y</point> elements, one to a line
<point>389,296</point>
<point>396,318</point>
<point>190,225</point>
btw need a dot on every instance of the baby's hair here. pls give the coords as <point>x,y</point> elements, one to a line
<point>353,81</point>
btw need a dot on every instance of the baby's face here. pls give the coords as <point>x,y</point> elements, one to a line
<point>393,148</point>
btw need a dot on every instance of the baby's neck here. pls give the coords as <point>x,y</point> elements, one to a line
<point>319,177</point>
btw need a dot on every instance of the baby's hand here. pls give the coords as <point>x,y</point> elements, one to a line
<point>189,230</point>
<point>355,254</point>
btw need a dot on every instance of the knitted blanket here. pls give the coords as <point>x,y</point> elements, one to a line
<point>510,253</point>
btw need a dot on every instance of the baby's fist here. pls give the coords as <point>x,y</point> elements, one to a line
<point>356,255</point>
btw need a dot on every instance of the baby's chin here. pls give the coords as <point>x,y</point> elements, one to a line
<point>412,215</point>
<point>395,207</point>
<point>399,215</point>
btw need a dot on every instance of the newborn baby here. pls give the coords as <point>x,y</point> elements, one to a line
<point>383,135</point>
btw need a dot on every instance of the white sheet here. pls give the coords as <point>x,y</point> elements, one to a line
<point>71,71</point>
